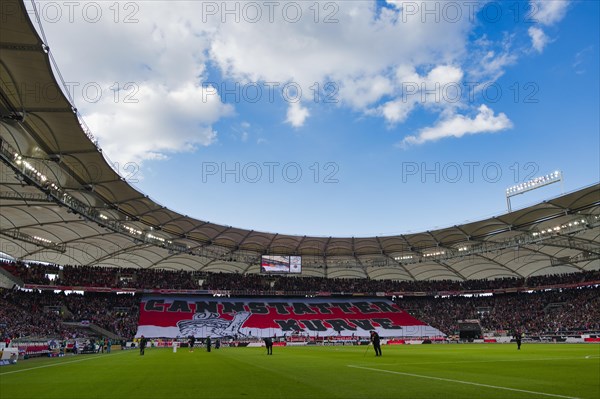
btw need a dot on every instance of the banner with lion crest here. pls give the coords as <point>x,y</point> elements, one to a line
<point>172,317</point>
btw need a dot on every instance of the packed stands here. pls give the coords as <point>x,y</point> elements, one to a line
<point>130,278</point>
<point>41,314</point>
<point>568,302</point>
<point>575,310</point>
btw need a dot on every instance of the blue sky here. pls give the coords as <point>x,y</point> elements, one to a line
<point>430,114</point>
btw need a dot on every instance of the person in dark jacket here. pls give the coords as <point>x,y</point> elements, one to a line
<point>518,338</point>
<point>191,342</point>
<point>143,342</point>
<point>376,343</point>
<point>269,345</point>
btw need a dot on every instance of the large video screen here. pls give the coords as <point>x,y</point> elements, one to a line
<point>281,264</point>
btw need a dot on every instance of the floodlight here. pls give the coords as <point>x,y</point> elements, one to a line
<point>532,184</point>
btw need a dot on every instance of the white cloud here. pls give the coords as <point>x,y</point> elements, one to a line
<point>297,114</point>
<point>581,59</point>
<point>488,60</point>
<point>445,74</point>
<point>359,52</point>
<point>154,53</point>
<point>548,12</point>
<point>545,13</point>
<point>440,89</point>
<point>539,40</point>
<point>459,125</point>
<point>361,92</point>
<point>369,53</point>
<point>397,111</point>
<point>162,122</point>
<point>442,86</point>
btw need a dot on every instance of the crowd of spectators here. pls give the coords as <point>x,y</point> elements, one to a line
<point>234,281</point>
<point>33,273</point>
<point>26,314</point>
<point>96,276</point>
<point>158,278</point>
<point>567,278</point>
<point>577,309</point>
<point>534,312</point>
<point>41,314</point>
<point>116,313</point>
<point>34,313</point>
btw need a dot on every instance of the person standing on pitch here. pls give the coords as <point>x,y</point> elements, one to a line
<point>269,345</point>
<point>518,337</point>
<point>191,342</point>
<point>376,343</point>
<point>143,342</point>
<point>208,343</point>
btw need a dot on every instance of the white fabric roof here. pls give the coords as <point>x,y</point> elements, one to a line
<point>47,134</point>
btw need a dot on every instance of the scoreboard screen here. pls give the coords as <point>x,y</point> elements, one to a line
<point>279,264</point>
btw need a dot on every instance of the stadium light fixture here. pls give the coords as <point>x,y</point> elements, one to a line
<point>36,240</point>
<point>436,253</point>
<point>43,240</point>
<point>132,231</point>
<point>532,184</point>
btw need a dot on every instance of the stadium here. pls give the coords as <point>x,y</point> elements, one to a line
<point>103,288</point>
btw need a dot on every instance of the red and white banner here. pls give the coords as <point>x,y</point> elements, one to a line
<point>172,317</point>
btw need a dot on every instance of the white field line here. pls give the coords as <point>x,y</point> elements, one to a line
<point>463,382</point>
<point>542,359</point>
<point>60,364</point>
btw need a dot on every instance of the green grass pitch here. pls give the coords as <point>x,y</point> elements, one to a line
<point>418,371</point>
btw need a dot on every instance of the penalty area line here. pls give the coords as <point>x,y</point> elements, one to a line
<point>463,382</point>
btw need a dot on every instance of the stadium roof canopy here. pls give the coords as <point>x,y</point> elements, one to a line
<point>61,202</point>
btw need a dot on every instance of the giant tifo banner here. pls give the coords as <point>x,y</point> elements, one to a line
<point>172,317</point>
